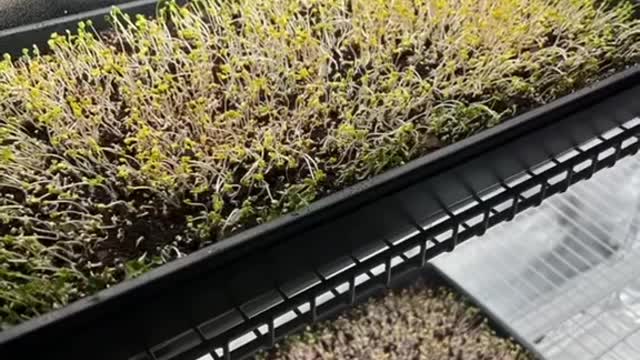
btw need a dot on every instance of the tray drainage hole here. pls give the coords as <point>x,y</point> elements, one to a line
<point>342,288</point>
<point>534,191</point>
<point>628,142</point>
<point>412,252</point>
<point>556,179</point>
<point>606,153</point>
<point>378,270</point>
<point>242,340</point>
<point>504,205</point>
<point>475,220</point>
<point>284,318</point>
<point>583,165</point>
<point>444,236</point>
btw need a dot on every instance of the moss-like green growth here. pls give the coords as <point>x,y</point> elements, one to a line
<point>122,150</point>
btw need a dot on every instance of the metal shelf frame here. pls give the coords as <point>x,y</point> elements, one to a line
<point>242,294</point>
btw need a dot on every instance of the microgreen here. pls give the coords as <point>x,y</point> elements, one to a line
<point>160,136</point>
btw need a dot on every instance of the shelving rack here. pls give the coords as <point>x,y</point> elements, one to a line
<point>246,292</point>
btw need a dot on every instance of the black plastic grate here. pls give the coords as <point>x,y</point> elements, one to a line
<point>253,326</point>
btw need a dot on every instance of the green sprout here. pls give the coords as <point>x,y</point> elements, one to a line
<point>161,136</point>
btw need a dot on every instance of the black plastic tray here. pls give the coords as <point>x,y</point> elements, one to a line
<point>43,18</point>
<point>15,13</point>
<point>250,277</point>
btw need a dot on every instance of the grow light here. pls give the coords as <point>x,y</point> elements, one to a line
<point>563,277</point>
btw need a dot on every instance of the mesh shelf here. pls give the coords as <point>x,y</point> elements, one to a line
<point>564,277</point>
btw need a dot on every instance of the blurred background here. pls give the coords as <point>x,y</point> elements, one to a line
<point>21,12</point>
